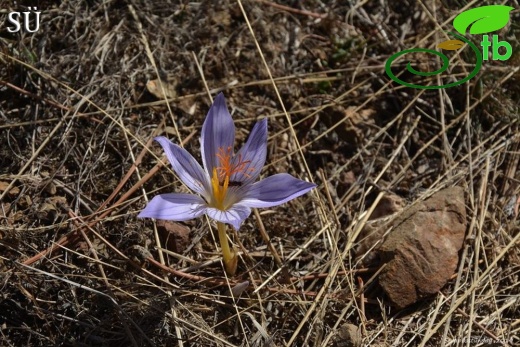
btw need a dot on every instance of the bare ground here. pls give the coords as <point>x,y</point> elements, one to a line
<point>77,164</point>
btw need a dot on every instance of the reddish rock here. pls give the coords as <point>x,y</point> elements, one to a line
<point>421,252</point>
<point>174,236</point>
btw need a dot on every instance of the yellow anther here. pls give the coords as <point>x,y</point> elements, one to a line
<point>219,191</point>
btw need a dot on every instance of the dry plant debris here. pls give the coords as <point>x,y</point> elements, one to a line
<point>78,112</point>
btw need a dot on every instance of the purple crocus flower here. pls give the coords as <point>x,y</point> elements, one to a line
<point>226,186</point>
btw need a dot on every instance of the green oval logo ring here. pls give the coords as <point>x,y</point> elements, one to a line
<point>445,64</point>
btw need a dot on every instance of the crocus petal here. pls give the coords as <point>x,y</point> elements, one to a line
<point>253,153</point>
<point>186,167</point>
<point>234,216</point>
<point>218,131</point>
<point>275,190</point>
<point>178,207</point>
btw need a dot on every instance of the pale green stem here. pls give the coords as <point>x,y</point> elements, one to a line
<point>228,255</point>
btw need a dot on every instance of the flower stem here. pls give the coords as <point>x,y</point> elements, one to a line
<point>228,255</point>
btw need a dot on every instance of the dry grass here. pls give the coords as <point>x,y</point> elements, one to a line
<point>77,163</point>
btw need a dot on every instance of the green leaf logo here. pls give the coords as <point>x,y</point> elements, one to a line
<point>482,20</point>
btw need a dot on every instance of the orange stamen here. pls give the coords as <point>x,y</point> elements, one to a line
<point>227,169</point>
<point>221,175</point>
